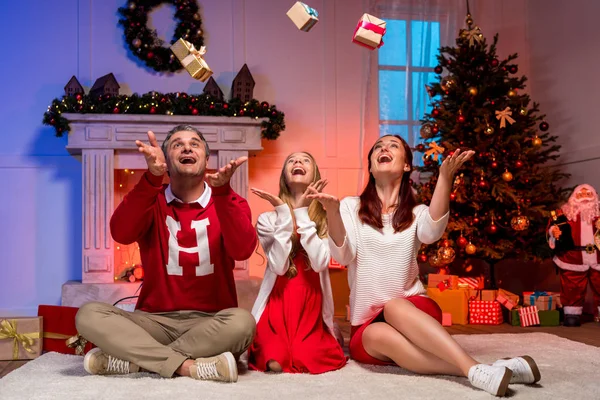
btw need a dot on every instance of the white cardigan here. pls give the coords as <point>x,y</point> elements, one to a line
<point>275,230</point>
<point>382,265</point>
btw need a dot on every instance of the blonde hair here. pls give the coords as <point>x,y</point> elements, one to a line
<point>316,212</point>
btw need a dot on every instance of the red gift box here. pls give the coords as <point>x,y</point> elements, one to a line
<point>484,312</point>
<point>446,319</point>
<point>59,326</point>
<point>529,316</point>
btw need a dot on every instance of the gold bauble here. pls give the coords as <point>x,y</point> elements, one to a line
<point>511,93</point>
<point>435,261</point>
<point>489,130</point>
<point>136,43</point>
<point>519,223</point>
<point>473,91</point>
<point>446,254</point>
<point>523,111</point>
<point>536,141</point>
<point>507,176</point>
<point>470,249</point>
<point>448,83</point>
<point>196,17</point>
<point>426,132</point>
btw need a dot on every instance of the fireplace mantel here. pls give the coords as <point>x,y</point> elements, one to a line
<point>106,142</point>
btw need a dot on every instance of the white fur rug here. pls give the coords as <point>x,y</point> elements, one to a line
<point>569,370</point>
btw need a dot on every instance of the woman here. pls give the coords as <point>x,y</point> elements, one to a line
<point>294,308</point>
<point>378,235</point>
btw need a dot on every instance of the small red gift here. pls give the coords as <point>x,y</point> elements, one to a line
<point>59,328</point>
<point>369,32</point>
<point>484,312</point>
<point>446,319</point>
<point>529,316</point>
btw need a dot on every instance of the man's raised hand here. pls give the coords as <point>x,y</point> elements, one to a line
<point>155,158</point>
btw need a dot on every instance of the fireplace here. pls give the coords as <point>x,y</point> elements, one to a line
<point>105,144</point>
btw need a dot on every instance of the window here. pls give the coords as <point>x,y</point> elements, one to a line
<point>405,65</point>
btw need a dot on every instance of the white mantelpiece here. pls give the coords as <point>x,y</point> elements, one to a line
<point>106,142</point>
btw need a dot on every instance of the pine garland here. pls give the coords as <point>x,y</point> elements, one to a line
<point>170,104</point>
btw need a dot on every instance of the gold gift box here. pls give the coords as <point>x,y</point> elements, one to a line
<point>303,16</point>
<point>191,59</point>
<point>455,302</point>
<point>20,338</point>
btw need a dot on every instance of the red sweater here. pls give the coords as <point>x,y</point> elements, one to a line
<point>188,252</point>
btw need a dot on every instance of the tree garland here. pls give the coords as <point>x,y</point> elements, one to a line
<point>144,42</point>
<point>170,104</point>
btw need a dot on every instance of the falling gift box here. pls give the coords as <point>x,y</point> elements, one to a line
<point>191,59</point>
<point>303,16</point>
<point>542,300</point>
<point>485,312</point>
<point>529,316</point>
<point>442,282</point>
<point>454,302</point>
<point>20,338</point>
<point>59,328</point>
<point>369,32</point>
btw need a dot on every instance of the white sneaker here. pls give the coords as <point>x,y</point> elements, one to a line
<point>97,362</point>
<point>221,368</point>
<point>524,369</point>
<point>493,379</point>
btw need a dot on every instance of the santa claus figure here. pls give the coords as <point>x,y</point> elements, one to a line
<point>575,237</point>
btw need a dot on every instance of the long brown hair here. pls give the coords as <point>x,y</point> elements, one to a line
<point>370,203</point>
<point>316,212</point>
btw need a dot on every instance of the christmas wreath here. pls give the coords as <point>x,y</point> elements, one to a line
<point>144,42</point>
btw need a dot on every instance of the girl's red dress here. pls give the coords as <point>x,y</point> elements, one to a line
<point>291,329</point>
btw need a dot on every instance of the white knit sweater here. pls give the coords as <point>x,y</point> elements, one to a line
<point>382,265</point>
<point>275,235</point>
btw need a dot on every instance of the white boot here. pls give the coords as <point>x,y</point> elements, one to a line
<point>524,369</point>
<point>491,378</point>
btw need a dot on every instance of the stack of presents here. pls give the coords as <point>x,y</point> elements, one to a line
<point>25,338</point>
<point>465,301</point>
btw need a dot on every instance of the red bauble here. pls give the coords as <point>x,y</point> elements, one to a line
<point>194,111</point>
<point>492,228</point>
<point>162,100</point>
<point>462,241</point>
<point>225,106</point>
<point>150,54</point>
<point>212,106</point>
<point>435,129</point>
<point>116,110</point>
<point>438,70</point>
<point>544,126</point>
<point>274,113</point>
<point>420,147</point>
<point>494,62</point>
<point>494,164</point>
<point>518,163</point>
<point>152,110</point>
<point>264,104</point>
<point>423,257</point>
<point>445,243</point>
<point>435,112</point>
<point>241,112</point>
<point>78,97</point>
<point>513,69</point>
<point>452,196</point>
<point>461,118</point>
<point>476,220</point>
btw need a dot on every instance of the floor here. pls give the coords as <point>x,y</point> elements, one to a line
<point>588,333</point>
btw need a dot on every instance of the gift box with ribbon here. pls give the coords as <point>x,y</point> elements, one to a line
<point>454,302</point>
<point>484,312</point>
<point>60,333</point>
<point>303,16</point>
<point>528,316</point>
<point>542,300</point>
<point>369,32</point>
<point>507,299</point>
<point>20,338</point>
<point>446,319</point>
<point>473,283</point>
<point>191,59</point>
<point>442,282</point>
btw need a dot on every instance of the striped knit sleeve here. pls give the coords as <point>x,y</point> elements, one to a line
<point>428,230</point>
<point>276,238</point>
<point>316,248</point>
<point>346,253</point>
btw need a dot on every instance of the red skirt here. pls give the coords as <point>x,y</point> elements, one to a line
<point>357,350</point>
<point>291,329</point>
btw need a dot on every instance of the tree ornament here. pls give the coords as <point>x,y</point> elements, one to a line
<point>470,249</point>
<point>507,176</point>
<point>489,130</point>
<point>536,141</point>
<point>136,43</point>
<point>426,132</point>
<point>513,69</point>
<point>131,6</point>
<point>469,19</point>
<point>511,93</point>
<point>544,126</point>
<point>523,111</point>
<point>429,91</point>
<point>494,62</point>
<point>519,223</point>
<point>518,163</point>
<point>435,151</point>
<point>423,257</point>
<point>116,110</point>
<point>420,148</point>
<point>494,163</point>
<point>505,116</point>
<point>473,91</point>
<point>448,83</point>
<point>435,261</point>
<point>435,129</point>
<point>435,112</point>
<point>446,254</point>
<point>461,118</point>
<point>452,196</point>
<point>438,70</point>
<point>462,241</point>
<point>492,228</point>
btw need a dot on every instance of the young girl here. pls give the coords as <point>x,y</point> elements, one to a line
<point>378,235</point>
<point>294,308</point>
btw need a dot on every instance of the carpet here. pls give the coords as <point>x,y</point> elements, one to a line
<point>568,369</point>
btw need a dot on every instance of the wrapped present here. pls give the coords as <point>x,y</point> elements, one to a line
<point>442,282</point>
<point>473,283</point>
<point>303,16</point>
<point>513,316</point>
<point>542,300</point>
<point>191,59</point>
<point>20,338</point>
<point>529,316</point>
<point>454,302</point>
<point>60,332</point>
<point>483,312</point>
<point>446,319</point>
<point>488,295</point>
<point>507,299</point>
<point>369,32</point>
<point>549,317</point>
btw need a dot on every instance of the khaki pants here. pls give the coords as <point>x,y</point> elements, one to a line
<point>161,342</point>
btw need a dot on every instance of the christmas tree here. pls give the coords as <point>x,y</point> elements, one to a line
<point>501,199</point>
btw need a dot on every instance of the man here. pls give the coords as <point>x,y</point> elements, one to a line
<point>575,237</point>
<point>190,233</point>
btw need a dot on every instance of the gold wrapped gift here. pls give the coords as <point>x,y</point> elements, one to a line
<point>20,338</point>
<point>303,16</point>
<point>455,302</point>
<point>191,59</point>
